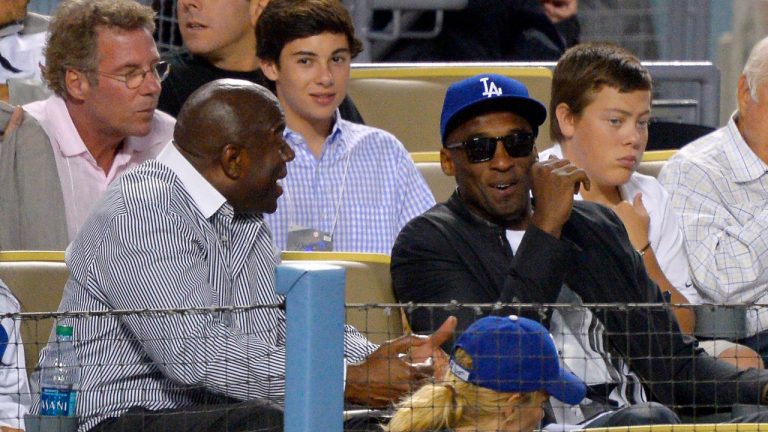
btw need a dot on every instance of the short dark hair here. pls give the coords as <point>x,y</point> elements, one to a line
<point>585,69</point>
<point>284,21</point>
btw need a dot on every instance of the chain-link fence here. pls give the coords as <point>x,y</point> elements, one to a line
<point>146,362</point>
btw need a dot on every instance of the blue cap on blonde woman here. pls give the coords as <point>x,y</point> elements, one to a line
<point>515,354</point>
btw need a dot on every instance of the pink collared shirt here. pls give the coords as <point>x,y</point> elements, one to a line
<point>82,181</point>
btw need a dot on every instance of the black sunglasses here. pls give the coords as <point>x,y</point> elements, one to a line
<point>482,149</point>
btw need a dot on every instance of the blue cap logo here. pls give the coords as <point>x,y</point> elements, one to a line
<point>490,89</point>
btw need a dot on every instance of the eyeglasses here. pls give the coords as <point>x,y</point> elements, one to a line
<point>135,78</point>
<point>482,149</point>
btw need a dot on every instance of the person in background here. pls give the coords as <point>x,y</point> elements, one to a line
<point>502,370</point>
<point>719,186</point>
<point>22,38</point>
<point>601,105</point>
<point>492,30</point>
<point>351,187</point>
<point>15,398</point>
<point>105,71</point>
<point>219,42</point>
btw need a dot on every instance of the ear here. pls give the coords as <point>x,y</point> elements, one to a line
<point>446,162</point>
<point>255,10</point>
<point>231,160</point>
<point>512,404</point>
<point>271,69</point>
<point>77,84</point>
<point>566,120</point>
<point>743,95</point>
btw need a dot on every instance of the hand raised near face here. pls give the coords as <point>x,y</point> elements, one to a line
<point>636,220</point>
<point>553,184</point>
<point>559,10</point>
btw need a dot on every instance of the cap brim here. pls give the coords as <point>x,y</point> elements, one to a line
<point>568,388</point>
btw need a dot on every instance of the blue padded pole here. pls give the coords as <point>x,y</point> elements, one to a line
<point>314,388</point>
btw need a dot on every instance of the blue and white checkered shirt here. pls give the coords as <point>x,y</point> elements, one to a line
<point>719,187</point>
<point>363,189</point>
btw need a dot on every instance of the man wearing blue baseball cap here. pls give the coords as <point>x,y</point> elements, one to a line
<point>501,372</point>
<point>512,233</point>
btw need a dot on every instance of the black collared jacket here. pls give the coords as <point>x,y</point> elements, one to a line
<point>450,254</point>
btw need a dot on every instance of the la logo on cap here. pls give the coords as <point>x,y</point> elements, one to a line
<point>490,88</point>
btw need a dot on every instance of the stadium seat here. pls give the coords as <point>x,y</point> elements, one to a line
<point>368,282</point>
<point>406,100</point>
<point>428,164</point>
<point>653,161</point>
<point>37,278</point>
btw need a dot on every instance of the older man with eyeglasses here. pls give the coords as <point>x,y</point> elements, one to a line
<point>105,71</point>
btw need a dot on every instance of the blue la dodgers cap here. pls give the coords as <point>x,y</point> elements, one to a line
<point>489,92</point>
<point>515,354</point>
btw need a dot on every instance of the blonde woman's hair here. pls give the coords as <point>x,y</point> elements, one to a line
<point>450,404</point>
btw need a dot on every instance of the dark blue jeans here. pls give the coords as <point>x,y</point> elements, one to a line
<point>648,413</point>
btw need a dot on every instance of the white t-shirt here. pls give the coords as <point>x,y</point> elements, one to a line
<point>665,233</point>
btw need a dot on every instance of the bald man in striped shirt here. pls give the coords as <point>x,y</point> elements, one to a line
<point>187,231</point>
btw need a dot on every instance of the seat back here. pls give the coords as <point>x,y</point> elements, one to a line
<point>368,282</point>
<point>428,164</point>
<point>407,100</point>
<point>37,278</point>
<point>653,161</point>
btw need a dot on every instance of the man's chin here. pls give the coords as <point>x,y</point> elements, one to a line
<point>264,208</point>
<point>142,130</point>
<point>511,217</point>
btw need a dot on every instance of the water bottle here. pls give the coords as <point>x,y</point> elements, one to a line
<point>60,376</point>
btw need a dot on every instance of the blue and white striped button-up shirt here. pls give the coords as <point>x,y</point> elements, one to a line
<point>363,189</point>
<point>163,237</point>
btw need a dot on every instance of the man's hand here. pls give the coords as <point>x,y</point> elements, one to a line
<point>636,220</point>
<point>430,351</point>
<point>386,375</point>
<point>553,184</point>
<point>559,10</point>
